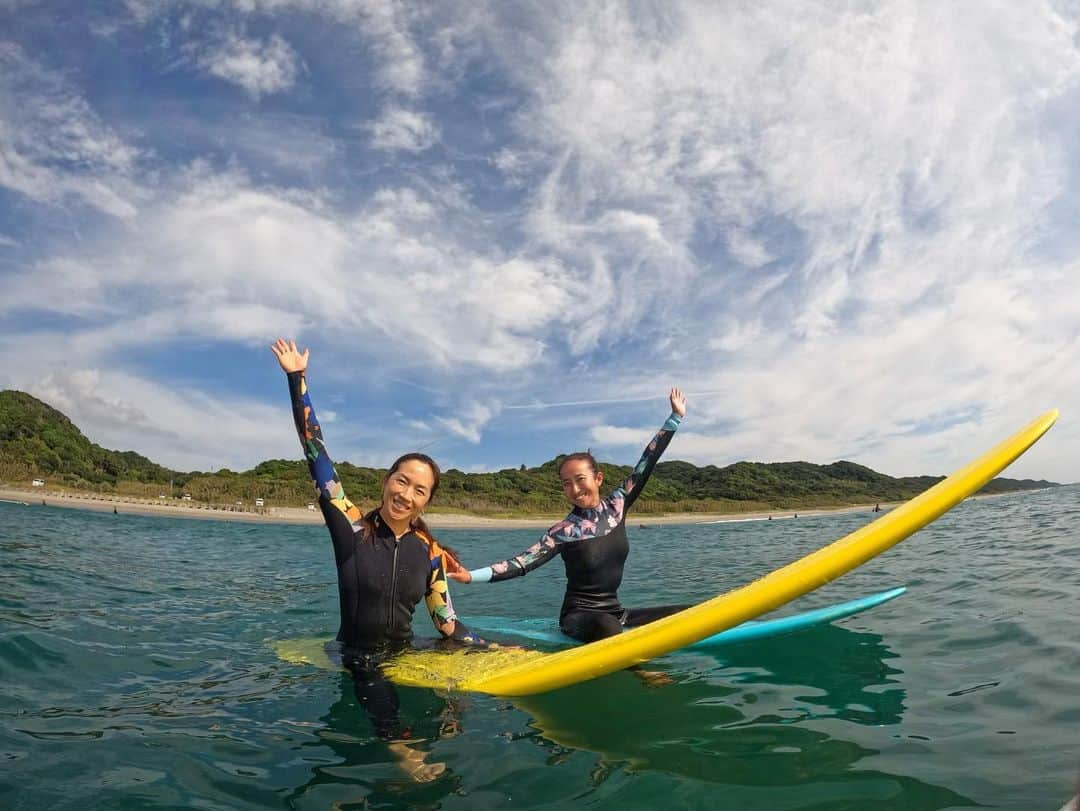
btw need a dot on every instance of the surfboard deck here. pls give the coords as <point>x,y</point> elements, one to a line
<point>547,630</point>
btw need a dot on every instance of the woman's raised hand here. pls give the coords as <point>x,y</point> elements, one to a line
<point>678,402</point>
<point>290,358</point>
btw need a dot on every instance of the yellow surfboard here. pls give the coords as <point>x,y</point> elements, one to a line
<point>515,673</point>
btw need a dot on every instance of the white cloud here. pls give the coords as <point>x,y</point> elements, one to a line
<point>790,133</point>
<point>182,429</point>
<point>53,146</point>
<point>401,129</point>
<point>259,67</point>
<point>386,23</point>
<point>611,436</point>
<point>470,422</point>
<point>219,258</point>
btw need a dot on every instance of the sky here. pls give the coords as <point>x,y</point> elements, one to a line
<point>505,230</point>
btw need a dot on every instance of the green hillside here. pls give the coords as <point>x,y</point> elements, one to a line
<point>36,441</point>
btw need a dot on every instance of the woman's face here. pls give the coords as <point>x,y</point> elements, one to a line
<point>580,483</point>
<point>407,490</point>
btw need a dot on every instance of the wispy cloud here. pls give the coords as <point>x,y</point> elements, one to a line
<point>401,129</point>
<point>470,422</point>
<point>54,147</point>
<point>260,67</point>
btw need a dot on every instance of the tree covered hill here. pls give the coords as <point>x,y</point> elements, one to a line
<point>36,440</point>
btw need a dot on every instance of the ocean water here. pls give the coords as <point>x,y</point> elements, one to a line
<point>137,670</point>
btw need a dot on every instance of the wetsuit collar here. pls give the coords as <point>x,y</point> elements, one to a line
<point>382,529</point>
<point>588,512</point>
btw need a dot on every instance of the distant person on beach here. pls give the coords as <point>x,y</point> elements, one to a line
<point>387,562</point>
<point>592,542</point>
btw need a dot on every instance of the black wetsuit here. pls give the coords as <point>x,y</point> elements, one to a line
<point>381,578</point>
<point>594,547</point>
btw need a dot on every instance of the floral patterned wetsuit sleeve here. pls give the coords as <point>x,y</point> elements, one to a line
<point>532,558</point>
<point>630,489</point>
<point>319,462</point>
<point>437,597</point>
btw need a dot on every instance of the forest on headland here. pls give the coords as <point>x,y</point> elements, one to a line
<point>39,442</point>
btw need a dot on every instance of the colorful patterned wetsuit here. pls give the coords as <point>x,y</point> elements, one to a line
<point>380,578</point>
<point>594,547</point>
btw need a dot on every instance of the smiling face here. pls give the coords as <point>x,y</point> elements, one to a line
<point>580,483</point>
<point>406,491</point>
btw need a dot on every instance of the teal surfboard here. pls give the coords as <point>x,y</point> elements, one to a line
<point>547,630</point>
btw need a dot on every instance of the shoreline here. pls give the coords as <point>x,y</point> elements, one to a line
<point>298,515</point>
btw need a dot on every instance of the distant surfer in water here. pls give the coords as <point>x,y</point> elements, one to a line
<point>592,542</point>
<point>387,561</point>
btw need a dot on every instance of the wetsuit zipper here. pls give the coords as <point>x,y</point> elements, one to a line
<point>393,589</point>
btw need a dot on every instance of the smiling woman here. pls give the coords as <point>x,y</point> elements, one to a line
<point>387,561</point>
<point>593,543</point>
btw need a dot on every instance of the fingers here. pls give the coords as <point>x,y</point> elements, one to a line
<point>281,347</point>
<point>678,401</point>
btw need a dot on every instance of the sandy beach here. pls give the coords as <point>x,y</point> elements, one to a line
<point>299,515</point>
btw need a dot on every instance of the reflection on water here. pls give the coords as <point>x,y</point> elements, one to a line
<point>748,721</point>
<point>360,770</point>
<point>848,670</point>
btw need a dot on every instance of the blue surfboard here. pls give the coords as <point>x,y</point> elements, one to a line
<point>547,630</point>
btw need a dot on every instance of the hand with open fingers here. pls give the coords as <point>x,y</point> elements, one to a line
<point>460,575</point>
<point>288,356</point>
<point>678,402</point>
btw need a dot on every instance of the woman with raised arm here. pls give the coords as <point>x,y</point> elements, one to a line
<point>592,541</point>
<point>387,562</point>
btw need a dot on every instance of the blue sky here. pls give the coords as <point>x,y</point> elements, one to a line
<point>846,230</point>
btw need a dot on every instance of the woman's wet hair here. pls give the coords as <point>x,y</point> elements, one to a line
<point>583,456</point>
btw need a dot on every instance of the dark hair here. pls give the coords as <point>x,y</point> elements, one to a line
<point>583,456</point>
<point>418,522</point>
